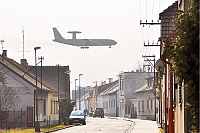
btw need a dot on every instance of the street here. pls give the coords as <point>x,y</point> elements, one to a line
<point>103,125</point>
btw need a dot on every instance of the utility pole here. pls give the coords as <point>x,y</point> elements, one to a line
<point>41,58</point>
<point>153,65</point>
<point>151,23</point>
<point>59,111</point>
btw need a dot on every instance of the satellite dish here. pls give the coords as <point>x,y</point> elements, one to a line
<point>159,65</point>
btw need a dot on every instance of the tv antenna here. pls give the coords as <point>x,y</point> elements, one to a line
<point>23,43</point>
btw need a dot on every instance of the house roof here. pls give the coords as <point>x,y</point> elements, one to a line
<point>170,9</point>
<point>104,87</point>
<point>143,88</point>
<point>24,73</point>
<point>111,89</point>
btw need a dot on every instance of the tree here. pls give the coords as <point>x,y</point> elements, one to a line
<point>183,51</point>
<point>66,107</point>
<point>8,96</point>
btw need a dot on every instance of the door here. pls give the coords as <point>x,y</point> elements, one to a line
<point>30,117</point>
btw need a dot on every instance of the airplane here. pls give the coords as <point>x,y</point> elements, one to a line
<point>82,43</point>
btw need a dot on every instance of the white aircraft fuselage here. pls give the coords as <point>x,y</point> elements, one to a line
<point>83,43</point>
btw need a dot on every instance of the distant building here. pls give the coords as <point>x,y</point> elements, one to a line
<point>129,82</point>
<point>146,103</point>
<point>108,100</point>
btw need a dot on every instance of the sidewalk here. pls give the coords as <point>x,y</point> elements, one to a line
<point>140,126</point>
<point>144,126</point>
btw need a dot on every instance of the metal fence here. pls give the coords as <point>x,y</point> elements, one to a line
<point>11,118</point>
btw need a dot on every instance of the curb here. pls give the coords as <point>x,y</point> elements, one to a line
<point>57,129</point>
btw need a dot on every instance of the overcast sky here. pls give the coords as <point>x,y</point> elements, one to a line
<point>96,19</point>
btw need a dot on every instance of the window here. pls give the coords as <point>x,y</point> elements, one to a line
<point>142,106</point>
<point>139,106</point>
<point>148,104</point>
<point>44,102</point>
<point>51,106</point>
<point>151,103</point>
<point>54,107</point>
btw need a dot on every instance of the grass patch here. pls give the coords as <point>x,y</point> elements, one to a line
<point>161,131</point>
<point>32,130</point>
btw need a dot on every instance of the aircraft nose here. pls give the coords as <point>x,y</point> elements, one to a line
<point>114,42</point>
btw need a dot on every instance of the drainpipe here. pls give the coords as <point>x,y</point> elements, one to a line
<point>165,95</point>
<point>171,115</point>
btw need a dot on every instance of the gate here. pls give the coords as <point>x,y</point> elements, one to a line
<point>30,117</point>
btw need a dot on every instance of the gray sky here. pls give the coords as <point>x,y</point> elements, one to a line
<point>100,19</point>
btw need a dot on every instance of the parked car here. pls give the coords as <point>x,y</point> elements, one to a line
<point>77,116</point>
<point>98,112</point>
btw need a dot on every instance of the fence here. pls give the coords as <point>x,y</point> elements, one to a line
<point>11,119</point>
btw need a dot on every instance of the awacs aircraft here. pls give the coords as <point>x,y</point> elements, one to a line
<point>82,43</point>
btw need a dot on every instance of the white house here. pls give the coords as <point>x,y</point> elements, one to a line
<point>146,103</point>
<point>128,83</point>
<point>23,82</point>
<point>110,98</point>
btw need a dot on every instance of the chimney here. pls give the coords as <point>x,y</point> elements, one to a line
<point>110,80</point>
<point>24,63</point>
<point>5,53</point>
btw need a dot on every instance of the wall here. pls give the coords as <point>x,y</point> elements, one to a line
<point>26,91</point>
<point>146,113</point>
<point>129,82</point>
<point>179,111</point>
<point>106,105</point>
<point>112,104</point>
<point>50,75</point>
<point>52,115</point>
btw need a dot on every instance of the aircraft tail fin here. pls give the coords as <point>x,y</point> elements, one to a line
<point>58,37</point>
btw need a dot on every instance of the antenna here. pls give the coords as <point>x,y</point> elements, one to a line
<point>23,43</point>
<point>2,41</point>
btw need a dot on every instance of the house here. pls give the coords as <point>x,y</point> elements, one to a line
<point>167,17</point>
<point>129,82</point>
<point>146,102</point>
<point>23,82</point>
<point>110,98</point>
<point>81,97</point>
<point>177,116</point>
<point>95,100</point>
<point>57,76</point>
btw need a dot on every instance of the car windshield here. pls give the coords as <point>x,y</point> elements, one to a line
<point>99,109</point>
<point>77,113</point>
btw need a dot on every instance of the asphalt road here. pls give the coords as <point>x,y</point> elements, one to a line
<point>101,125</point>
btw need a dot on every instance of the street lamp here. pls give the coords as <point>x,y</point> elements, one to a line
<point>37,124</point>
<point>79,92</point>
<point>75,89</point>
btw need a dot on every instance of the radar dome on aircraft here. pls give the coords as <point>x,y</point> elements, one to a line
<point>74,33</point>
<point>82,43</point>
